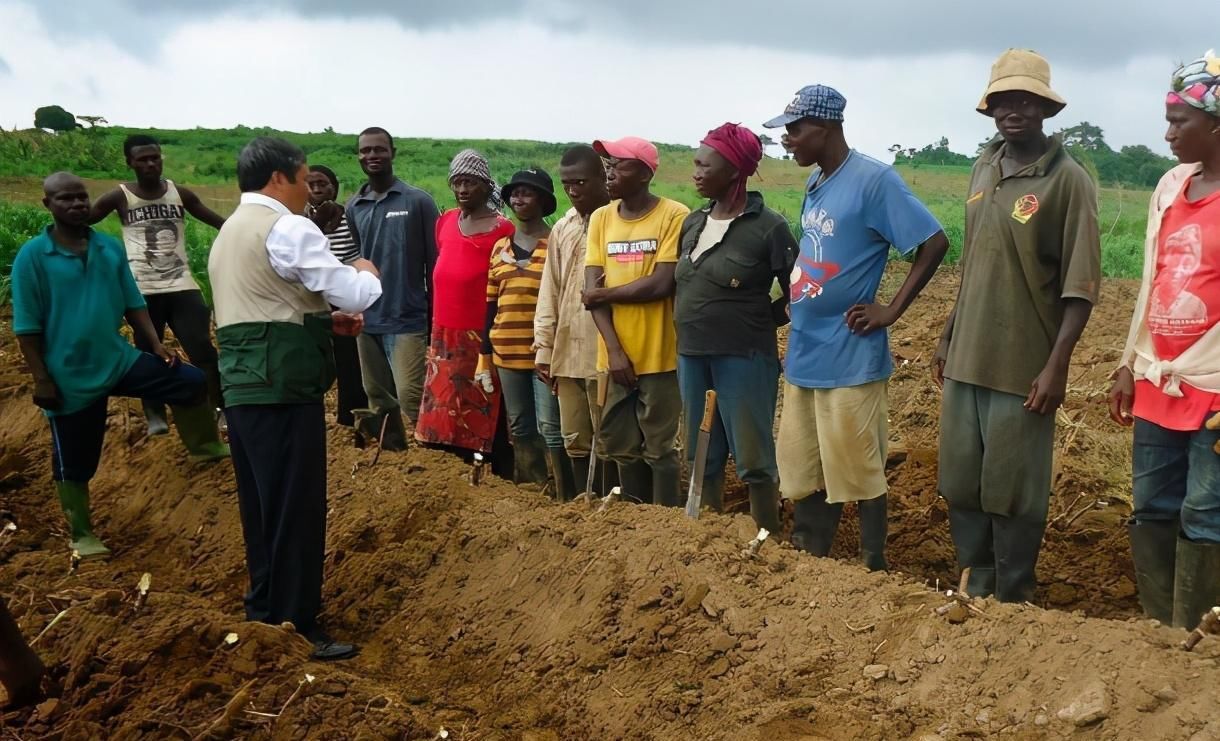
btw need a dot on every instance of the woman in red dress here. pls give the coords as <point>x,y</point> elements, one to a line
<point>461,400</point>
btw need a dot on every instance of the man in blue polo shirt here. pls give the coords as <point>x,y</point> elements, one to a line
<point>394,226</point>
<point>833,430</point>
<point>71,289</point>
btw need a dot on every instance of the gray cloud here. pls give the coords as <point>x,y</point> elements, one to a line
<point>4,68</point>
<point>1072,31</point>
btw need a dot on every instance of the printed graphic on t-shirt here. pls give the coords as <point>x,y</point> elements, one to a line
<point>160,224</point>
<point>1175,310</point>
<point>633,251</point>
<point>1025,208</point>
<point>811,272</point>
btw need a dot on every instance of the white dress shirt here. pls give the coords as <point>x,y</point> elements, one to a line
<point>300,252</point>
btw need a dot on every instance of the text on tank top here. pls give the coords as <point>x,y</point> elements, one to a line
<point>154,231</point>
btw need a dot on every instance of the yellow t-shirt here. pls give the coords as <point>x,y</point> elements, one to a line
<point>628,250</point>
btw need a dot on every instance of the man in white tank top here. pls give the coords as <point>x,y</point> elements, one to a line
<point>153,213</point>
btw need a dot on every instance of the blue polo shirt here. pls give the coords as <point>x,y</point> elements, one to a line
<point>396,230</point>
<point>848,224</point>
<point>77,303</point>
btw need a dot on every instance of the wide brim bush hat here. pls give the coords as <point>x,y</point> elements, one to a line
<point>1024,71</point>
<point>538,179</point>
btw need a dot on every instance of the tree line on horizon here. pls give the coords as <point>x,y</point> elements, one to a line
<point>1133,166</point>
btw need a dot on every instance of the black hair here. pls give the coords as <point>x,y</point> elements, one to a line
<point>265,156</point>
<point>581,154</point>
<point>378,130</point>
<point>138,140</point>
<point>329,173</point>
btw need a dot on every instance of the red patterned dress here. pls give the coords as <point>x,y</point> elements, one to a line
<point>456,411</point>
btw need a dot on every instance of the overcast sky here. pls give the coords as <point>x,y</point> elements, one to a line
<point>567,70</point>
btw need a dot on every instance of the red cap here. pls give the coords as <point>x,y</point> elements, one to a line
<point>629,148</point>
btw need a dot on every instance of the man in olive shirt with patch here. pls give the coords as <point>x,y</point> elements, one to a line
<point>1030,278</point>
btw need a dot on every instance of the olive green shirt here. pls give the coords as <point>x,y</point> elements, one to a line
<point>1031,242</point>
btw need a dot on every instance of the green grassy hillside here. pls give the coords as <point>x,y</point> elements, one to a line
<point>204,159</point>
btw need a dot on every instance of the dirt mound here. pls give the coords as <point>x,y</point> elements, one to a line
<point>495,614</point>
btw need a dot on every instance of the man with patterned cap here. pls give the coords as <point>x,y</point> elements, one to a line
<point>833,429</point>
<point>1030,277</point>
<point>629,287</point>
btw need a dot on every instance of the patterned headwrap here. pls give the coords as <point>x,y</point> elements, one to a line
<point>740,146</point>
<point>1197,84</point>
<point>472,164</point>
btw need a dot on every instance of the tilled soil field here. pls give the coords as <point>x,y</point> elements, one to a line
<point>490,613</point>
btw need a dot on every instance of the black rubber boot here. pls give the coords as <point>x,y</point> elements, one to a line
<point>667,483</point>
<point>395,433</point>
<point>368,430</point>
<point>154,415</point>
<point>529,460</point>
<point>874,525</point>
<point>1196,582</point>
<point>713,493</point>
<point>636,482</point>
<point>815,522</point>
<point>561,470</point>
<point>972,539</point>
<point>580,474</point>
<point>764,504</point>
<point>1018,542</point>
<point>1154,545</point>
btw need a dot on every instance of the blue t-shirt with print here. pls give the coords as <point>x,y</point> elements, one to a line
<point>848,224</point>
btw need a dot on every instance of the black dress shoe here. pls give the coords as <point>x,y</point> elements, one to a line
<point>326,648</point>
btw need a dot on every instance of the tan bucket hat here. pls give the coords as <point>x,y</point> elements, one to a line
<point>1024,70</point>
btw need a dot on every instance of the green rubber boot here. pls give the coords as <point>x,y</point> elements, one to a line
<point>74,498</point>
<point>197,428</point>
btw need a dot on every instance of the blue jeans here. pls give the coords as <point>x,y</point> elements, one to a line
<point>76,438</point>
<point>1176,476</point>
<point>532,408</point>
<point>746,390</point>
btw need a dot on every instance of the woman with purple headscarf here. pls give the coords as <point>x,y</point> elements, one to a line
<point>1168,384</point>
<point>734,263</point>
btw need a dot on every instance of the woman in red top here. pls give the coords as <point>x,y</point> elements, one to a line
<point>1168,385</point>
<point>461,400</point>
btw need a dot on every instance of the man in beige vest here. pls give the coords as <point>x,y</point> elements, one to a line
<point>274,279</point>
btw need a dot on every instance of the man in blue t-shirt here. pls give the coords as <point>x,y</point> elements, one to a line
<point>833,430</point>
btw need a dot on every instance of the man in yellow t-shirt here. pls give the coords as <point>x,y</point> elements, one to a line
<point>629,287</point>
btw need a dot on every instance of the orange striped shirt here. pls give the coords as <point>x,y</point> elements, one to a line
<point>515,290</point>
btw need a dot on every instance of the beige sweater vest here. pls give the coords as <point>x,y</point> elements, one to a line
<point>245,288</point>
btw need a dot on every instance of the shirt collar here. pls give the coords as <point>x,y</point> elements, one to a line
<point>754,204</point>
<point>812,183</point>
<point>50,246</point>
<point>258,199</point>
<point>398,186</point>
<point>1040,167</point>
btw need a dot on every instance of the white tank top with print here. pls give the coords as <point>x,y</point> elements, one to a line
<point>155,234</point>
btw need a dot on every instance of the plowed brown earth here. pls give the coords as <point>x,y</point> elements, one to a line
<point>495,614</point>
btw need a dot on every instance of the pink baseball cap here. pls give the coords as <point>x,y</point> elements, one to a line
<point>629,148</point>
